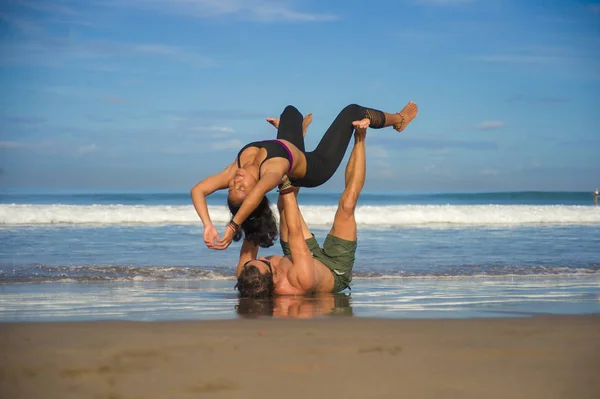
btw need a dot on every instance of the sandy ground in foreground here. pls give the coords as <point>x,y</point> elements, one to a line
<point>542,357</point>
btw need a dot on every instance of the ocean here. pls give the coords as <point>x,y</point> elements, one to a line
<point>76,255</point>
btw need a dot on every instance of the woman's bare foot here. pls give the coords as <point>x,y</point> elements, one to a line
<point>361,124</point>
<point>305,123</point>
<point>274,122</point>
<point>408,113</point>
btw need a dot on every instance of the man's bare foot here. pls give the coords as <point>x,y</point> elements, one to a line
<point>361,124</point>
<point>408,113</point>
<point>305,123</point>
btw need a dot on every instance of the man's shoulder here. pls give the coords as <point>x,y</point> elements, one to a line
<point>323,278</point>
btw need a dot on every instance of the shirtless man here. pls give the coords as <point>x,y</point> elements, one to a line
<point>306,267</point>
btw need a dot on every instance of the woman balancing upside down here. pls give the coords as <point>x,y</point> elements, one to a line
<point>261,165</point>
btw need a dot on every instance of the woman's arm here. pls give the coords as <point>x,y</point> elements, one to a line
<point>206,187</point>
<point>268,181</point>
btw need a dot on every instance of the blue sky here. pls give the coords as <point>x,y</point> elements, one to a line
<point>158,94</point>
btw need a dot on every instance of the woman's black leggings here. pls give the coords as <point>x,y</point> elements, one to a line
<point>323,162</point>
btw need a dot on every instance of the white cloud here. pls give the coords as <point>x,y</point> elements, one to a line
<point>216,129</point>
<point>226,145</point>
<point>215,132</point>
<point>445,2</point>
<point>490,172</point>
<point>173,51</point>
<point>517,59</point>
<point>113,100</point>
<point>385,173</point>
<point>40,145</point>
<point>57,52</point>
<point>11,144</point>
<point>86,149</point>
<point>20,123</point>
<point>382,163</point>
<point>489,125</point>
<point>21,24</point>
<point>51,7</point>
<point>50,147</point>
<point>577,60</point>
<point>377,152</point>
<point>260,10</point>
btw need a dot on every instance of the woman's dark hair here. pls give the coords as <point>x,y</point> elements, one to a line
<point>260,227</point>
<point>252,283</point>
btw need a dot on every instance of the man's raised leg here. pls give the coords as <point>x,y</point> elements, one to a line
<point>344,224</point>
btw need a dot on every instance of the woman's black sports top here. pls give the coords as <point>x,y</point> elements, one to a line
<point>275,149</point>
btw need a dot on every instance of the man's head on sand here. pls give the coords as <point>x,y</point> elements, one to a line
<point>257,279</point>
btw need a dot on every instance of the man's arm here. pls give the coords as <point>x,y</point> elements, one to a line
<point>302,274</point>
<point>199,193</point>
<point>248,252</point>
<point>283,233</point>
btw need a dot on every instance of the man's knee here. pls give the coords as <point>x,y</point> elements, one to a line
<point>347,204</point>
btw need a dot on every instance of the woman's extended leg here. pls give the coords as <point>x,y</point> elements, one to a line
<point>290,127</point>
<point>326,158</point>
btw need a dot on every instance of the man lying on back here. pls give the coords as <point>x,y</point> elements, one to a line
<point>306,267</point>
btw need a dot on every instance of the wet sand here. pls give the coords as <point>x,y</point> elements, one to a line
<point>541,357</point>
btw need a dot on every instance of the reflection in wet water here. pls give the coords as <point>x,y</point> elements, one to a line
<point>300,307</point>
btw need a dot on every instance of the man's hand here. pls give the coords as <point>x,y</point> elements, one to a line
<point>361,124</point>
<point>210,236</point>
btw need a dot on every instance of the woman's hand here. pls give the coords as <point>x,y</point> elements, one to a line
<point>210,236</point>
<point>226,241</point>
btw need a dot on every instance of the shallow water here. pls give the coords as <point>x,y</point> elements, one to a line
<point>394,298</point>
<point>141,257</point>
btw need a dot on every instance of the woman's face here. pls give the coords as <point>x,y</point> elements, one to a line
<point>242,183</point>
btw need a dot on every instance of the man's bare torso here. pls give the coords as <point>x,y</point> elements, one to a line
<point>285,284</point>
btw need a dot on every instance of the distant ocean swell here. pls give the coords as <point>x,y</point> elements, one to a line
<point>100,274</point>
<point>315,215</point>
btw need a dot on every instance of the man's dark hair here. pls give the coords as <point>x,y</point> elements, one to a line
<point>252,284</point>
<point>260,227</point>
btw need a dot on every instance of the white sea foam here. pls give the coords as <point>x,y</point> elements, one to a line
<point>315,215</point>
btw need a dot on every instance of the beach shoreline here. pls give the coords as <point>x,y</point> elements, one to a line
<point>541,356</point>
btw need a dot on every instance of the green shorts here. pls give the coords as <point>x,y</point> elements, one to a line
<point>337,254</point>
